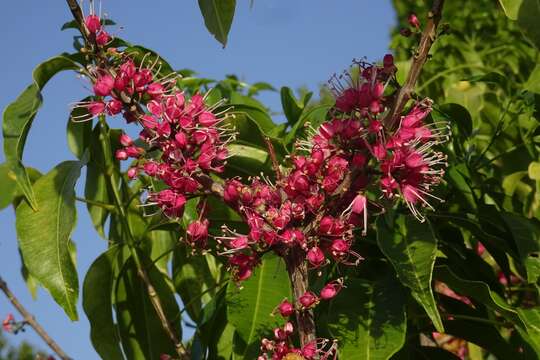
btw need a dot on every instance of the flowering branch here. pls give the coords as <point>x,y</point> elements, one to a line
<point>426,41</point>
<point>30,320</point>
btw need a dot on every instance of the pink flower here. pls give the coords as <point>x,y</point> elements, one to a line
<point>93,23</point>
<point>121,154</point>
<point>102,38</point>
<point>103,85</point>
<point>114,107</point>
<point>8,323</point>
<point>197,232</point>
<point>96,107</point>
<point>413,20</point>
<point>125,140</point>
<point>331,289</point>
<point>315,256</point>
<point>286,309</point>
<point>308,299</point>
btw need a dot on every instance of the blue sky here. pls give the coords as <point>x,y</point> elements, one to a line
<point>293,43</point>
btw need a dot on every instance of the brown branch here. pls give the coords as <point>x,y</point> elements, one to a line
<point>298,276</point>
<point>30,320</point>
<point>273,157</point>
<point>428,37</point>
<point>78,16</point>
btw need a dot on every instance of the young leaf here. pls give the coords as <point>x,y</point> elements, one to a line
<point>411,247</point>
<point>44,235</point>
<point>292,107</point>
<point>368,319</point>
<point>249,308</point>
<point>218,16</point>
<point>97,290</point>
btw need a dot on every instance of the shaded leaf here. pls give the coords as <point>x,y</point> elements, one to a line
<point>528,15</point>
<point>368,319</point>
<point>8,184</point>
<point>411,247</point>
<point>97,304</point>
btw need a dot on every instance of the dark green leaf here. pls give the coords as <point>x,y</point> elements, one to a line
<point>44,235</point>
<point>457,114</point>
<point>218,16</point>
<point>79,134</point>
<point>411,247</point>
<point>529,13</point>
<point>291,106</point>
<point>97,292</point>
<point>141,331</point>
<point>368,319</point>
<point>526,233</point>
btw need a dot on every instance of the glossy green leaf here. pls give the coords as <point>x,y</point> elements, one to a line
<point>293,107</point>
<point>8,184</point>
<point>247,160</point>
<point>533,83</point>
<point>141,332</point>
<point>526,234</point>
<point>477,290</point>
<point>218,16</point>
<point>457,114</point>
<point>368,319</point>
<point>511,8</point>
<point>97,304</point>
<point>411,247</point>
<point>528,15</point>
<point>249,308</point>
<point>44,235</point>
<point>531,319</point>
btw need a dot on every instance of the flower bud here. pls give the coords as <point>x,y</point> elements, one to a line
<point>331,290</point>
<point>315,256</point>
<point>121,154</point>
<point>308,299</point>
<point>93,23</point>
<point>286,309</point>
<point>132,172</point>
<point>197,233</point>
<point>104,84</point>
<point>114,107</point>
<point>96,108</point>
<point>103,38</point>
<point>413,21</point>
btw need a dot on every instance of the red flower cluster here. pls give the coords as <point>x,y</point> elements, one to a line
<point>182,136</point>
<point>280,347</point>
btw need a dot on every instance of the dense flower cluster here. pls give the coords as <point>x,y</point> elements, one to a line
<point>181,138</point>
<point>280,347</point>
<point>350,168</point>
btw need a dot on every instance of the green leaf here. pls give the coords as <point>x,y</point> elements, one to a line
<point>192,279</point>
<point>531,319</point>
<point>44,235</point>
<point>218,16</point>
<point>19,115</point>
<point>511,8</point>
<point>411,247</point>
<point>368,319</point>
<point>141,332</point>
<point>526,234</point>
<point>97,304</point>
<point>529,13</point>
<point>534,170</point>
<point>457,114</point>
<point>8,184</point>
<point>247,160</point>
<point>292,107</point>
<point>249,308</point>
<point>30,281</point>
<point>143,56</point>
<point>477,290</point>
<point>73,24</point>
<point>533,83</point>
